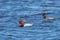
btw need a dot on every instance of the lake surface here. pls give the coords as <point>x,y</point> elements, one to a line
<point>12,11</point>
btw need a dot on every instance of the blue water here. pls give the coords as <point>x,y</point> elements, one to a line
<point>12,11</point>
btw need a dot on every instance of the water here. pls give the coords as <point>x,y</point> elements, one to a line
<point>12,11</point>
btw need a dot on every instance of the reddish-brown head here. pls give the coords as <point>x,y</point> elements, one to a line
<point>21,23</point>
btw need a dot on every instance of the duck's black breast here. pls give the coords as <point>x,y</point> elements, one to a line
<point>21,25</point>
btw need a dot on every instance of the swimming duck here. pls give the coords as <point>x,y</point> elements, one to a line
<point>23,24</point>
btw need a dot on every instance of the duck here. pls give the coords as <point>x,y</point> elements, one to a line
<point>23,24</point>
<point>44,17</point>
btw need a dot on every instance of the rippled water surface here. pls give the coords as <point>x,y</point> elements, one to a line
<point>12,11</point>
